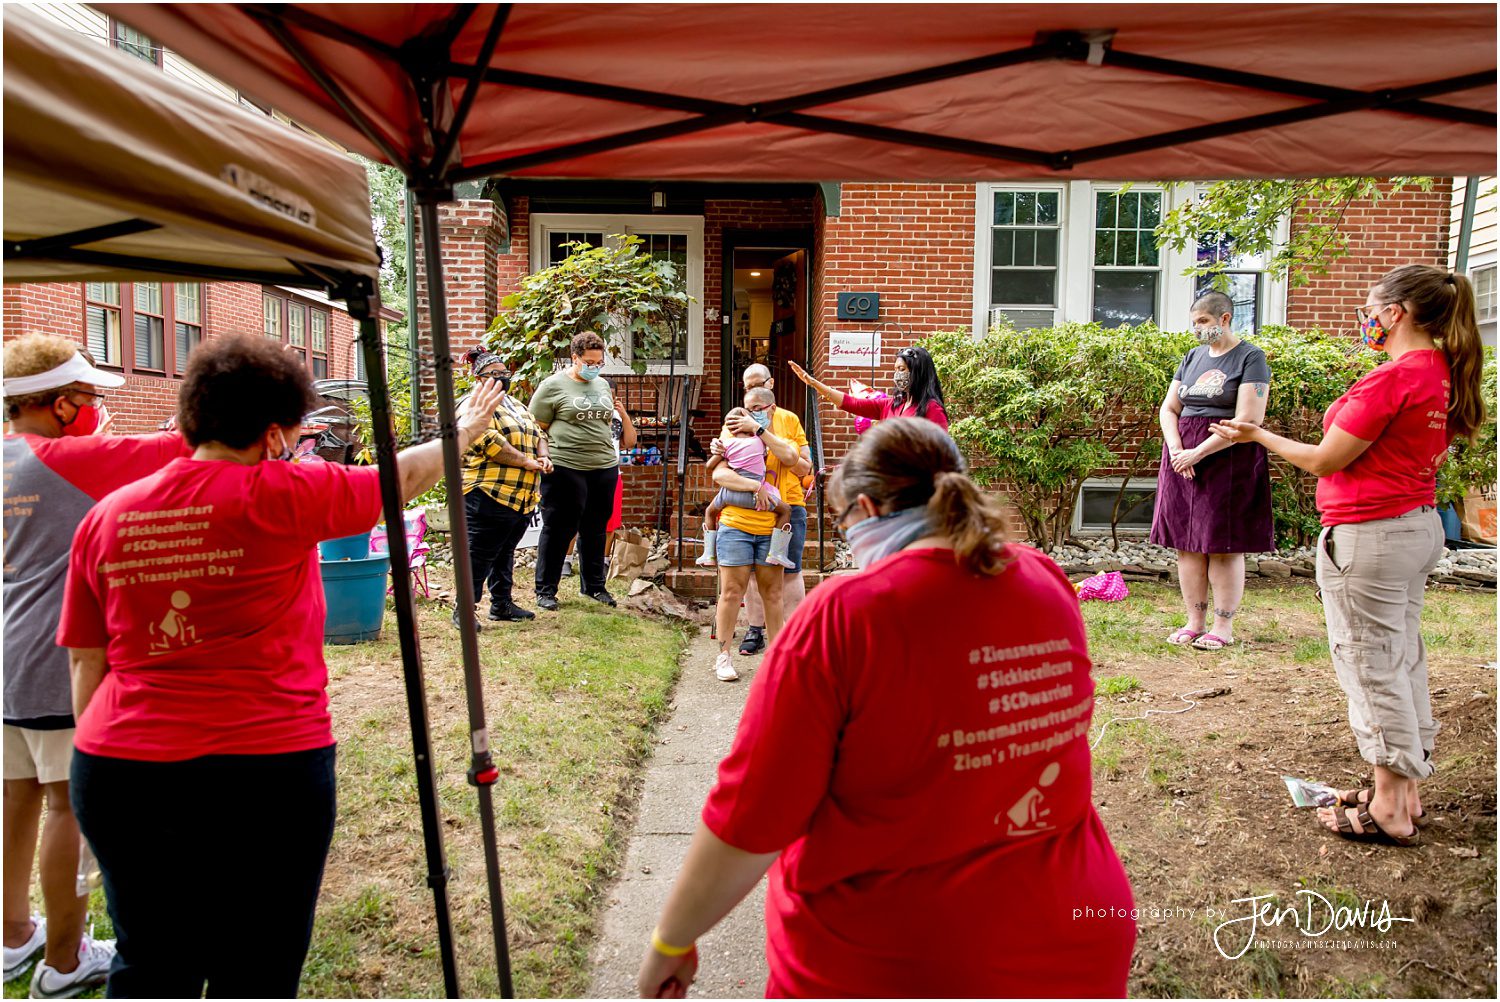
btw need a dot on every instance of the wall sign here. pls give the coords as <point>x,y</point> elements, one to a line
<point>854,348</point>
<point>859,305</point>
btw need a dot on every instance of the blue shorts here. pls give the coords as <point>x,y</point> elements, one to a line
<point>738,548</point>
<point>799,538</point>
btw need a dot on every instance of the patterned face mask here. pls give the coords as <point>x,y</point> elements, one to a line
<point>902,381</point>
<point>1373,332</point>
<point>1209,335</point>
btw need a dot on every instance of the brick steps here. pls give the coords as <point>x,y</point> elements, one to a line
<point>703,583</point>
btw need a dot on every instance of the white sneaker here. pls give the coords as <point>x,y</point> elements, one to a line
<point>724,667</point>
<point>20,958</point>
<point>94,958</point>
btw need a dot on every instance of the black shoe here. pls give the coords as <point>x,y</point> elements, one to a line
<point>754,642</point>
<point>604,598</point>
<point>548,602</point>
<point>458,626</point>
<point>511,613</point>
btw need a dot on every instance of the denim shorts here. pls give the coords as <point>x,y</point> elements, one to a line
<point>799,538</point>
<point>738,548</point>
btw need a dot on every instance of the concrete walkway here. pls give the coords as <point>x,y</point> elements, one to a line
<point>732,962</point>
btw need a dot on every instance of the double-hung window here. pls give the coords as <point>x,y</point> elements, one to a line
<point>1025,256</point>
<point>678,239</point>
<point>150,327</point>
<point>1127,262</point>
<point>101,317</point>
<point>319,326</point>
<point>144,327</point>
<point>302,326</point>
<point>189,322</point>
<point>1484,294</point>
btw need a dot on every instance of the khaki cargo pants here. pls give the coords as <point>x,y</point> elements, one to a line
<point>1373,576</point>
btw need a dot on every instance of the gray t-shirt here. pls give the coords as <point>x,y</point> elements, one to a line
<point>50,484</point>
<point>578,415</point>
<point>1211,386</point>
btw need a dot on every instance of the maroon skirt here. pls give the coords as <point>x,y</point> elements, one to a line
<point>1225,508</point>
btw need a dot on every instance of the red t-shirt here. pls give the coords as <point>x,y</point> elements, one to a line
<point>879,409</point>
<point>915,745</point>
<point>1401,408</point>
<point>202,583</point>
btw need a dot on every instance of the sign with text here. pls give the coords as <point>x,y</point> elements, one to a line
<point>856,348</point>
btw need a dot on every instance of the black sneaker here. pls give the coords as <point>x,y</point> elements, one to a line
<point>754,642</point>
<point>604,598</point>
<point>458,626</point>
<point>548,602</point>
<point>510,613</point>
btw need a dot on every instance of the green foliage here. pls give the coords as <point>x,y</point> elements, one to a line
<point>1246,215</point>
<point>614,291</point>
<point>1471,465</point>
<point>387,191</point>
<point>1046,409</point>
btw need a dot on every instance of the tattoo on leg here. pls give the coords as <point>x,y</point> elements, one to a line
<point>1225,613</point>
<point>1200,606</point>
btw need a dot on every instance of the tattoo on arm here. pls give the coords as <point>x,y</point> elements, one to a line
<point>1260,389</point>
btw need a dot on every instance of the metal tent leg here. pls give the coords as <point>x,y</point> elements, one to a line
<point>482,771</point>
<point>363,308</point>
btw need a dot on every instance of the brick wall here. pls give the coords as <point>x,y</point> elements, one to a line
<point>913,244</point>
<point>145,401</point>
<point>1408,227</point>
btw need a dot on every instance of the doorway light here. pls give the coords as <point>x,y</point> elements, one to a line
<point>755,274</point>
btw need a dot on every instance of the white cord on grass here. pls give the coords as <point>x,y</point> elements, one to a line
<point>1204,693</point>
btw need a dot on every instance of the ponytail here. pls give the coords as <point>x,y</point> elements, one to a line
<point>973,522</point>
<point>1465,351</point>
<point>905,463</point>
<point>1442,304</point>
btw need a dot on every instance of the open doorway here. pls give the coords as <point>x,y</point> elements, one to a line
<point>766,298</point>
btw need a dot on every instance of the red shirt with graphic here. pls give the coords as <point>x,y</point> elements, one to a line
<point>1401,408</point>
<point>915,746</point>
<point>202,583</point>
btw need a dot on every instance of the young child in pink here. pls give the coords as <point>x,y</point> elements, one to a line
<point>746,456</point>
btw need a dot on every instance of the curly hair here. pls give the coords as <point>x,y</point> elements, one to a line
<point>237,386</point>
<point>587,341</point>
<point>30,355</point>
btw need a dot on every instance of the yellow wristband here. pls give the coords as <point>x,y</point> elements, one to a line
<point>664,948</point>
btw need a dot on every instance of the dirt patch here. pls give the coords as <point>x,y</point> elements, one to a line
<point>1196,807</point>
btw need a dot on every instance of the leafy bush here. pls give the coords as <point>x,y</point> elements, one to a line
<point>616,291</point>
<point>1043,410</point>
<point>1471,466</point>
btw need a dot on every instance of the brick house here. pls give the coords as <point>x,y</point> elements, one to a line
<point>767,263</point>
<point>145,330</point>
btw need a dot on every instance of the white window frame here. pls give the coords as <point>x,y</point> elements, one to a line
<point>1076,257</point>
<point>1159,308</point>
<point>1113,484</point>
<point>543,224</point>
<point>1474,272</point>
<point>985,248</point>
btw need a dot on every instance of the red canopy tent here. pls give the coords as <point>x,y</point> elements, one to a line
<point>818,92</point>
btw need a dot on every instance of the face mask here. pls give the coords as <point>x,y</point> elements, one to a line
<point>902,381</point>
<point>762,418</point>
<point>588,373</point>
<point>503,379</point>
<point>1209,335</point>
<point>1374,333</point>
<point>284,455</point>
<point>874,539</point>
<point>85,421</point>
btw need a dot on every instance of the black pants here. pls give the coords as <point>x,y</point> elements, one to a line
<point>494,531</point>
<point>574,503</point>
<point>211,868</point>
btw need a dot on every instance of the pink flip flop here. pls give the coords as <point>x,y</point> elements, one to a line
<point>1212,642</point>
<point>1182,637</point>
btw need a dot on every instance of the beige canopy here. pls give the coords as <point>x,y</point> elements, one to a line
<point>115,171</point>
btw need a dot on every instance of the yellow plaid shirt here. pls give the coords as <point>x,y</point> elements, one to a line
<point>483,467</point>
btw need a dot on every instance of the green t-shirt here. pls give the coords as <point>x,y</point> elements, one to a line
<point>578,416</point>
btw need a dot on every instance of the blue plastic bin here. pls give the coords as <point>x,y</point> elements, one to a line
<point>355,593</point>
<point>356,547</point>
<point>1453,529</point>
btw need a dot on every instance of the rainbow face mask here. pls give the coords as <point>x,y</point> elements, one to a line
<point>1374,332</point>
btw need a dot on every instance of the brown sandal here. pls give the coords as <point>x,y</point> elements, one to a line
<point>1372,831</point>
<point>1421,820</point>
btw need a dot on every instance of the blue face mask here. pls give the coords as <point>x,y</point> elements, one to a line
<point>874,539</point>
<point>589,373</point>
<point>762,418</point>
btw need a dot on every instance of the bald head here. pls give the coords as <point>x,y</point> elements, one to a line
<point>756,375</point>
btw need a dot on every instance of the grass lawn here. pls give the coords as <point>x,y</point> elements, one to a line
<point>572,699</point>
<point>1197,810</point>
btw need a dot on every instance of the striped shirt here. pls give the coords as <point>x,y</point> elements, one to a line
<point>484,467</point>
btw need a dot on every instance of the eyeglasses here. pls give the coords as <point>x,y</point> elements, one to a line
<point>1364,313</point>
<point>97,397</point>
<point>762,408</point>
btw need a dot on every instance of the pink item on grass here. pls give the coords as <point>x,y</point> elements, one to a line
<point>1107,587</point>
